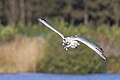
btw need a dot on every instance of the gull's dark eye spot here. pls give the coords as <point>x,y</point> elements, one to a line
<point>64,40</point>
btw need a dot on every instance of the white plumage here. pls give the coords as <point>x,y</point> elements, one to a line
<point>73,42</point>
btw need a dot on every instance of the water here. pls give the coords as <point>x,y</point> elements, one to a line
<point>41,76</point>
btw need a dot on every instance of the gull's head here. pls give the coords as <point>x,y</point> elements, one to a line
<point>66,40</point>
<point>41,19</point>
<point>70,42</point>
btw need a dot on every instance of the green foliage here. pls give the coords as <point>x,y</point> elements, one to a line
<point>80,60</point>
<point>30,31</point>
<point>7,33</point>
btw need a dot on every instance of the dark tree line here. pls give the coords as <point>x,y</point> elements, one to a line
<point>26,12</point>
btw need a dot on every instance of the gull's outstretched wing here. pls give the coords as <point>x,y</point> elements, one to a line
<point>92,45</point>
<point>49,26</point>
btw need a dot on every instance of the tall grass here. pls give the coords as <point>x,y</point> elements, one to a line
<point>21,54</point>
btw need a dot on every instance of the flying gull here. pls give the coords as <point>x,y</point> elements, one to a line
<point>73,42</point>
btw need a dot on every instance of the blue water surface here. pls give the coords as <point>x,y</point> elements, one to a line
<point>42,76</point>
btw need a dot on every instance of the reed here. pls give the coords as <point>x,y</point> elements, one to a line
<point>21,54</point>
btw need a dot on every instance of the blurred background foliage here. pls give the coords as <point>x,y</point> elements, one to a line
<point>80,60</point>
<point>96,20</point>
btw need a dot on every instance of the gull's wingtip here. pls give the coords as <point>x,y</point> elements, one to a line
<point>105,59</point>
<point>40,19</point>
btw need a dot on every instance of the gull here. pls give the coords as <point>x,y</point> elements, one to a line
<point>74,41</point>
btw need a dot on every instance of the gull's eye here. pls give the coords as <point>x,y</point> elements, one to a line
<point>67,42</point>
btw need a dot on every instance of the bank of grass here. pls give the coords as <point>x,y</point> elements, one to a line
<point>80,60</point>
<point>21,54</point>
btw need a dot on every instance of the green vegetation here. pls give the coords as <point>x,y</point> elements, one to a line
<point>97,20</point>
<point>80,60</point>
<point>7,33</point>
